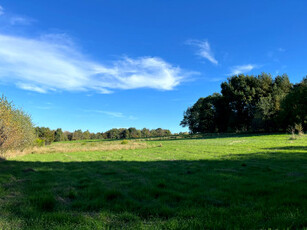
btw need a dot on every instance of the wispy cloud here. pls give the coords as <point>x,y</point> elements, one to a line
<point>30,87</point>
<point>204,50</point>
<point>1,10</point>
<point>242,69</point>
<point>112,114</point>
<point>43,107</point>
<point>275,54</point>
<point>18,20</point>
<point>9,19</point>
<point>52,63</point>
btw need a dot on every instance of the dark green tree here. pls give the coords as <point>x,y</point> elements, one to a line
<point>207,115</point>
<point>294,106</point>
<point>59,135</point>
<point>45,134</point>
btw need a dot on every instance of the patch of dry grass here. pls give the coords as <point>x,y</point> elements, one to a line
<point>68,147</point>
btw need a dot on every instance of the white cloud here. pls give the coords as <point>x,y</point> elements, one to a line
<point>204,50</point>
<point>30,87</point>
<point>52,63</point>
<point>242,69</point>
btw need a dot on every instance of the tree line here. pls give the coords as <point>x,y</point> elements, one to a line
<point>18,132</point>
<point>249,103</point>
<point>48,136</point>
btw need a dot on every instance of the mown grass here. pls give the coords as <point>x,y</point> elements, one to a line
<point>249,182</point>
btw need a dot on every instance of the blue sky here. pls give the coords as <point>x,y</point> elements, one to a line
<point>99,65</point>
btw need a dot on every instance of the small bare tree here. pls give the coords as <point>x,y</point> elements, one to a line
<point>299,129</point>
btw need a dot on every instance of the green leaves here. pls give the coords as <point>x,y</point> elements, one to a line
<point>250,103</point>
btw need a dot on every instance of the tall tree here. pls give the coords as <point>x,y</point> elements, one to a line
<point>249,103</point>
<point>206,115</point>
<point>59,135</point>
<point>294,106</point>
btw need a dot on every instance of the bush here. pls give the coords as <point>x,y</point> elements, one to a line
<point>299,129</point>
<point>124,142</point>
<point>292,131</point>
<point>39,142</point>
<point>16,128</point>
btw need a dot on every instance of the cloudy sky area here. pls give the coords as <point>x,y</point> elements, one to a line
<point>98,65</point>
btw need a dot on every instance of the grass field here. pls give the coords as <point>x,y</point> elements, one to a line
<point>246,182</point>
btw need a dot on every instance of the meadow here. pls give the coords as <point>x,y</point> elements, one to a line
<point>212,182</point>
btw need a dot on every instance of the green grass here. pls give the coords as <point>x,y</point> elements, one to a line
<point>245,182</point>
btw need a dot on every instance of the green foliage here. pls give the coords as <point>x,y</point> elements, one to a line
<point>122,133</point>
<point>86,135</point>
<point>294,106</point>
<point>124,142</point>
<point>250,103</point>
<point>45,134</point>
<point>16,128</point>
<point>77,135</point>
<point>39,142</point>
<point>59,135</point>
<point>206,115</point>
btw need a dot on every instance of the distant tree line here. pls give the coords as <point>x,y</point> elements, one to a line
<point>250,103</point>
<point>49,136</point>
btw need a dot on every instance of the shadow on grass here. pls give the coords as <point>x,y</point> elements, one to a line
<point>253,191</point>
<point>299,148</point>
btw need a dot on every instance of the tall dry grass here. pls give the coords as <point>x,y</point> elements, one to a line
<point>66,147</point>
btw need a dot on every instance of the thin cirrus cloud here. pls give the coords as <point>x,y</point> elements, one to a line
<point>109,113</point>
<point>18,20</point>
<point>112,114</point>
<point>242,69</point>
<point>204,50</point>
<point>45,64</point>
<point>1,10</point>
<point>10,19</point>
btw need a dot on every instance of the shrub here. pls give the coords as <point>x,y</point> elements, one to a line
<point>39,142</point>
<point>292,131</point>
<point>124,142</point>
<point>16,128</point>
<point>299,129</point>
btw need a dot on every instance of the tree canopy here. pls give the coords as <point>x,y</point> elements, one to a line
<point>250,103</point>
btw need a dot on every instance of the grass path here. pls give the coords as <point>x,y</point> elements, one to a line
<point>248,182</point>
